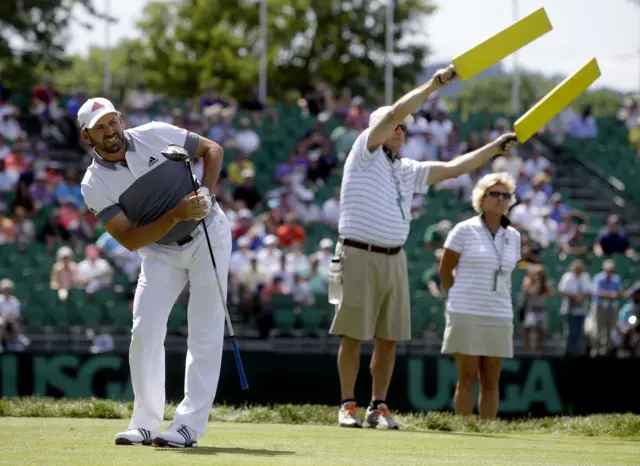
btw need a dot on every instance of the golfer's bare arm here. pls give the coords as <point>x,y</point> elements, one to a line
<point>212,155</point>
<point>449,262</point>
<point>134,238</point>
<point>190,208</point>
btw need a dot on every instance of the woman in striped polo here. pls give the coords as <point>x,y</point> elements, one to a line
<point>483,251</point>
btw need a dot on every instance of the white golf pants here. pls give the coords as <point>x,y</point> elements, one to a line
<point>164,273</point>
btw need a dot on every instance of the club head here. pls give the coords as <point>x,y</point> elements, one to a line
<point>176,153</point>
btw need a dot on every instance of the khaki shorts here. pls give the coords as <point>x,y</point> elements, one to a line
<point>375,296</point>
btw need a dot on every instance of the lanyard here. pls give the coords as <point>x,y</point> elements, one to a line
<point>579,279</point>
<point>500,253</point>
<point>399,199</point>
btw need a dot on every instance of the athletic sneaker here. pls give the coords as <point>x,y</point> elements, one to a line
<point>380,418</point>
<point>134,437</point>
<point>348,415</point>
<point>176,436</point>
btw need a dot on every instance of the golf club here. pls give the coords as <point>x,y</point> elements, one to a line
<point>179,154</point>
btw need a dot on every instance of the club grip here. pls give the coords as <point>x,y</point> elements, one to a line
<point>243,378</point>
<point>503,145</point>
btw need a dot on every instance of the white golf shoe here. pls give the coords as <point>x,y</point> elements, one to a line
<point>348,415</point>
<point>380,418</point>
<point>176,436</point>
<point>134,437</point>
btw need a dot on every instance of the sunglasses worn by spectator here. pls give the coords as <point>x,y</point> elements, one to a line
<point>402,127</point>
<point>498,194</point>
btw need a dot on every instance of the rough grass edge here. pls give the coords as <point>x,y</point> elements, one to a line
<point>614,425</point>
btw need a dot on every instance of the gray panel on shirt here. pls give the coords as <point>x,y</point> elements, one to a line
<point>157,192</point>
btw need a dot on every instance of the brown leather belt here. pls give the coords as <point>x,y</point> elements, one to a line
<point>371,247</point>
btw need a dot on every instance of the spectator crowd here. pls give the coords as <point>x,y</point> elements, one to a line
<point>272,251</point>
<point>598,312</point>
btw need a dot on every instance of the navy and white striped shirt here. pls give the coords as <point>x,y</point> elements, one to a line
<point>369,207</point>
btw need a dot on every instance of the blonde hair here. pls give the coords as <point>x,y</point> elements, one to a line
<point>488,181</point>
<point>540,179</point>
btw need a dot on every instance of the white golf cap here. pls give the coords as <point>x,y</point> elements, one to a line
<point>382,111</point>
<point>270,239</point>
<point>326,243</point>
<point>94,109</point>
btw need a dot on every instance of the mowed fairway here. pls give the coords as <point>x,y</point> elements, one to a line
<point>50,441</point>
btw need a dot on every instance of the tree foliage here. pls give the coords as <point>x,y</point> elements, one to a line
<point>188,44</point>
<point>33,37</point>
<point>603,102</point>
<point>89,71</point>
<point>493,95</point>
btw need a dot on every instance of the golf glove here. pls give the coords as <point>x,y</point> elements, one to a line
<point>205,192</point>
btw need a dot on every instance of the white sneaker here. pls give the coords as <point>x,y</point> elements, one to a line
<point>176,436</point>
<point>348,415</point>
<point>134,437</point>
<point>380,418</point>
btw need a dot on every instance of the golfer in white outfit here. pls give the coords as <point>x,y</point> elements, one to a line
<point>146,202</point>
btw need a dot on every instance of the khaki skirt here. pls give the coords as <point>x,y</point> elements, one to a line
<point>478,335</point>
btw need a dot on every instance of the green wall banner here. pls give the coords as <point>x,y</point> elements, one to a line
<point>536,387</point>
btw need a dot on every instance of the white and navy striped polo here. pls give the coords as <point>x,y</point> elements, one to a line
<point>147,184</point>
<point>472,290</point>
<point>369,210</point>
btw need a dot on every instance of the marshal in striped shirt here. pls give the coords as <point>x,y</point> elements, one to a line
<point>472,290</point>
<point>370,210</point>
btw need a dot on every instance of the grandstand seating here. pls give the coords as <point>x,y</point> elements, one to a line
<point>609,154</point>
<point>30,268</point>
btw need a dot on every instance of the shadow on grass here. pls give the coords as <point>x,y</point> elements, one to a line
<point>462,434</point>
<point>230,451</point>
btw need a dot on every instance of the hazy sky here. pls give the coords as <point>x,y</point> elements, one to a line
<point>606,29</point>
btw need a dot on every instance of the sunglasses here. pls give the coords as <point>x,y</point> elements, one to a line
<point>402,127</point>
<point>498,194</point>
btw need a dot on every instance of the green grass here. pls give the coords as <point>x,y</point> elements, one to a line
<point>613,425</point>
<point>53,441</point>
<point>79,432</point>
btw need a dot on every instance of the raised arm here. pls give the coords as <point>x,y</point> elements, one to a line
<point>440,171</point>
<point>406,105</point>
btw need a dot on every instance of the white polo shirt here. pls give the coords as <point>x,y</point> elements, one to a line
<point>147,184</point>
<point>370,192</point>
<point>9,307</point>
<point>573,284</point>
<point>473,288</point>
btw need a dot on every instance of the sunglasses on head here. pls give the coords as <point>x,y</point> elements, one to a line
<point>498,194</point>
